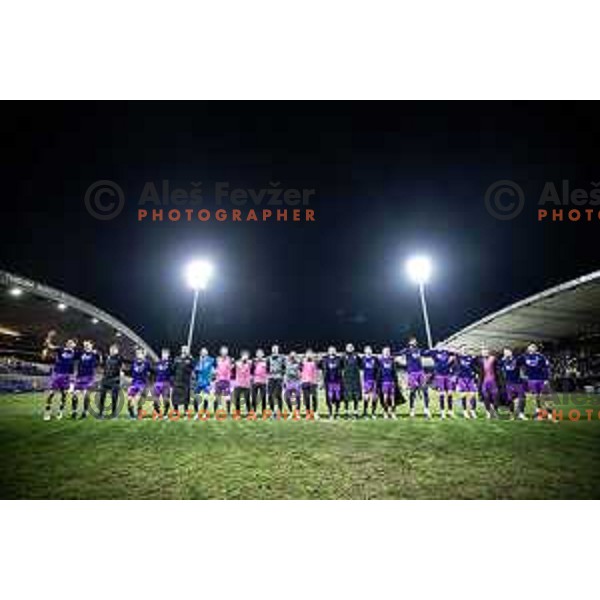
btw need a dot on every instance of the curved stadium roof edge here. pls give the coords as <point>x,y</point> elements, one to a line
<point>562,312</point>
<point>87,308</point>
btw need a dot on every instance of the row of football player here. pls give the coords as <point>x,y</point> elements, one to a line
<point>349,377</point>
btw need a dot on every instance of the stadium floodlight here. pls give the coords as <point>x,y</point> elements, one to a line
<point>198,274</point>
<point>419,270</point>
<point>95,321</point>
<point>61,306</point>
<point>16,292</point>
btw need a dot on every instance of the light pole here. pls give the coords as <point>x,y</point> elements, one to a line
<point>419,270</point>
<point>197,273</point>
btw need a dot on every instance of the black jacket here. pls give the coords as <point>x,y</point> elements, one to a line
<point>112,371</point>
<point>183,367</point>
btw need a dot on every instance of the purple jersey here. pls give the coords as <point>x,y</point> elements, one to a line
<point>140,371</point>
<point>536,366</point>
<point>163,371</point>
<point>369,366</point>
<point>511,369</point>
<point>413,355</point>
<point>86,367</point>
<point>465,367</point>
<point>332,369</point>
<point>387,369</point>
<point>442,362</point>
<point>65,362</point>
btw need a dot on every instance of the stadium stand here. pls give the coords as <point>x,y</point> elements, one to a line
<point>564,319</point>
<point>30,311</point>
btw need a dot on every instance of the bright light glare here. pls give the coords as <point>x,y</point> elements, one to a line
<point>198,274</point>
<point>61,306</point>
<point>16,291</point>
<point>95,321</point>
<point>419,269</point>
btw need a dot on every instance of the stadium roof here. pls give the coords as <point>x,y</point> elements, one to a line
<point>29,310</point>
<point>562,313</point>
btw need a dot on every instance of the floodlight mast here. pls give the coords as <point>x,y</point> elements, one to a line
<point>192,320</point>
<point>198,273</point>
<point>419,270</point>
<point>425,315</point>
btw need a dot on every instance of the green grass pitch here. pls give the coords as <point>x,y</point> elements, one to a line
<point>319,460</point>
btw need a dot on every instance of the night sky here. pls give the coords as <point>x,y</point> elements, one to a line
<point>391,180</point>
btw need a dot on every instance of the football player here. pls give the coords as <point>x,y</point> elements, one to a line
<point>417,381</point>
<point>203,375</point>
<point>537,372</point>
<point>310,370</point>
<point>351,364</point>
<point>140,376</point>
<point>370,369</point>
<point>260,372</point>
<point>223,374</point>
<point>331,365</point>
<point>162,383</point>
<point>64,366</point>
<point>84,381</point>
